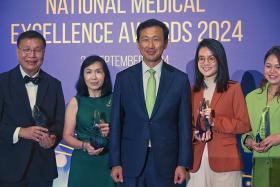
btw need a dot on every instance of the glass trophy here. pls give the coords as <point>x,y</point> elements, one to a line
<point>202,124</point>
<point>97,140</point>
<point>264,127</point>
<point>39,117</point>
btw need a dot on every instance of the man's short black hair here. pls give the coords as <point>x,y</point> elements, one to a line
<point>152,23</point>
<point>31,34</point>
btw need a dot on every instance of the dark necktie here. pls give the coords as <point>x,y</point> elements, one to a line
<point>34,80</point>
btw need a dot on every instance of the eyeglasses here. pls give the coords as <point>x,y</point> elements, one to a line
<point>211,59</point>
<point>29,51</point>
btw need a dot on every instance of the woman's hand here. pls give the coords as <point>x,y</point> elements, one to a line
<point>270,141</point>
<point>208,114</point>
<point>253,145</point>
<point>205,137</point>
<point>91,150</point>
<point>104,129</point>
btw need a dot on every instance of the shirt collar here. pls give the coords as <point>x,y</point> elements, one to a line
<point>25,74</point>
<point>157,68</point>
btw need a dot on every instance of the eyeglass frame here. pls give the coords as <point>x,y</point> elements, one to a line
<point>208,59</point>
<point>29,51</point>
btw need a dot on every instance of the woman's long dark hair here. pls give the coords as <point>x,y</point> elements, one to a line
<point>81,87</point>
<point>222,73</point>
<point>275,50</point>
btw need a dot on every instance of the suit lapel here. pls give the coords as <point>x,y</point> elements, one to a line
<point>215,99</point>
<point>42,88</point>
<point>137,75</point>
<point>166,79</point>
<point>19,89</point>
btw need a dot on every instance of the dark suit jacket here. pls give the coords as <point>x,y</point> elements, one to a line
<point>169,127</point>
<point>15,111</point>
<point>230,118</point>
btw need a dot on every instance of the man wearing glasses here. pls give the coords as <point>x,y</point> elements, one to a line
<point>31,118</point>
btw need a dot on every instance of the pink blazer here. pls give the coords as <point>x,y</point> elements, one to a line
<point>230,118</point>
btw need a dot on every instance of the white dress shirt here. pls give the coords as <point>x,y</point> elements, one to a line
<point>146,76</point>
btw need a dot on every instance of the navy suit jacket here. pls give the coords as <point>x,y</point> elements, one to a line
<point>168,129</point>
<point>15,112</point>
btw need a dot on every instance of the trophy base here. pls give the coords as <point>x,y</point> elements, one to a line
<point>98,142</point>
<point>258,138</point>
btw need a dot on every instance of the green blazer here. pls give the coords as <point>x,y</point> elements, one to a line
<point>256,102</point>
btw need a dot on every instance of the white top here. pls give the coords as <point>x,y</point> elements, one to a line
<point>31,88</point>
<point>209,90</point>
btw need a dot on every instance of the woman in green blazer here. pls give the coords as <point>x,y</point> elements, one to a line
<point>264,111</point>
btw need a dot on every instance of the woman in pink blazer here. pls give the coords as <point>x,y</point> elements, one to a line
<point>219,114</point>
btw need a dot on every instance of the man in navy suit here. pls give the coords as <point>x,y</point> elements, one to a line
<point>27,157</point>
<point>151,148</point>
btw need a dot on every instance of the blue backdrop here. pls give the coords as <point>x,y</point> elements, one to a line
<point>78,28</point>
